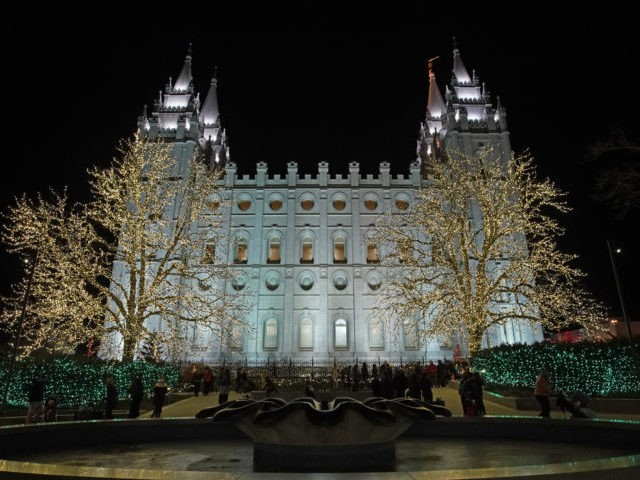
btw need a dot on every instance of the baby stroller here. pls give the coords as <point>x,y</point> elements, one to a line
<point>577,404</point>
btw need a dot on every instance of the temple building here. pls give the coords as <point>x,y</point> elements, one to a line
<point>300,242</point>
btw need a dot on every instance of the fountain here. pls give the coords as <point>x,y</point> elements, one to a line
<point>305,435</point>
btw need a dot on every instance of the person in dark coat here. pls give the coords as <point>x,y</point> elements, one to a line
<point>136,390</point>
<point>159,392</point>
<point>112,397</point>
<point>207,380</point>
<point>50,410</point>
<point>269,386</point>
<point>36,397</point>
<point>308,390</point>
<point>224,383</point>
<point>477,388</point>
<point>466,392</point>
<point>425,387</point>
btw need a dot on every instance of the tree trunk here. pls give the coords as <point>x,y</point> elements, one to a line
<point>475,341</point>
<point>129,348</point>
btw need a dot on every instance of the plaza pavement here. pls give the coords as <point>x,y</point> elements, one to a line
<point>192,404</point>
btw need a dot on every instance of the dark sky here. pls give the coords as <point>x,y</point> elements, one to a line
<point>75,82</point>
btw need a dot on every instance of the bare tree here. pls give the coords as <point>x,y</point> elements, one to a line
<point>145,255</point>
<point>477,248</point>
<point>618,177</point>
<point>52,306</point>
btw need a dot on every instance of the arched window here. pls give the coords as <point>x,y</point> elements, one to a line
<point>372,253</point>
<point>339,249</point>
<point>405,250</point>
<point>306,250</point>
<point>341,337</point>
<point>242,250</point>
<point>306,334</point>
<point>235,337</point>
<point>410,329</point>
<point>270,341</point>
<point>376,337</point>
<point>209,254</point>
<point>273,250</point>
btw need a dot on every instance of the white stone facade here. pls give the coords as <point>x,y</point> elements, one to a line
<point>301,241</point>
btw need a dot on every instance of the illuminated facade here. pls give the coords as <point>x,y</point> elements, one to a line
<point>301,242</point>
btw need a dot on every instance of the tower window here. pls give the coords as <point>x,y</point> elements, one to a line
<point>307,250</point>
<point>372,253</point>
<point>274,250</point>
<point>339,250</point>
<point>341,334</point>
<point>242,251</point>
<point>306,334</point>
<point>270,334</point>
<point>209,255</point>
<point>376,339</point>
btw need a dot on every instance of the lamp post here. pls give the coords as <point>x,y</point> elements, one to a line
<point>625,316</point>
<point>16,344</point>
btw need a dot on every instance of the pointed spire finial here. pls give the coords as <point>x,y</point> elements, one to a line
<point>430,63</point>
<point>455,43</point>
<point>189,50</point>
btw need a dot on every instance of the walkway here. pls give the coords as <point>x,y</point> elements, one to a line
<point>192,404</point>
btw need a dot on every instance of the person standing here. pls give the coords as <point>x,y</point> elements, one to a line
<point>112,397</point>
<point>544,390</point>
<point>466,391</point>
<point>207,380</point>
<point>36,396</point>
<point>478,389</point>
<point>159,391</point>
<point>50,410</point>
<point>269,387</point>
<point>224,384</point>
<point>196,379</point>
<point>136,390</point>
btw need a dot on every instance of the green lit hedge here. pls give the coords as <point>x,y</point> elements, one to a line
<point>596,368</point>
<point>78,380</point>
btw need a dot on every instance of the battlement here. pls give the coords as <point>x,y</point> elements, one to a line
<point>322,178</point>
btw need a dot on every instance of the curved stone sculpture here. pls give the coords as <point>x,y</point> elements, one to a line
<point>305,435</point>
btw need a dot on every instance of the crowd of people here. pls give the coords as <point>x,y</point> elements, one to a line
<point>414,380</point>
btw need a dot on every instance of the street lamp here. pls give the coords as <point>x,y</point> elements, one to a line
<point>30,259</point>
<point>617,279</point>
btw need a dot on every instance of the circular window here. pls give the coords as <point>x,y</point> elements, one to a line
<point>339,202</point>
<point>307,204</point>
<point>371,202</point>
<point>340,280</point>
<point>213,202</point>
<point>402,204</point>
<point>239,282</point>
<point>275,202</point>
<point>272,280</point>
<point>204,283</point>
<point>244,202</point>
<point>374,281</point>
<point>306,280</point>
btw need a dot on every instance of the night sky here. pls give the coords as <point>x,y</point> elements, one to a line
<point>72,88</point>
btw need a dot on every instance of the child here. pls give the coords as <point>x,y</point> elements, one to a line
<point>50,410</point>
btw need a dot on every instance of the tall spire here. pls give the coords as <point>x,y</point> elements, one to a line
<point>185,77</point>
<point>459,70</point>
<point>210,112</point>
<point>435,103</point>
